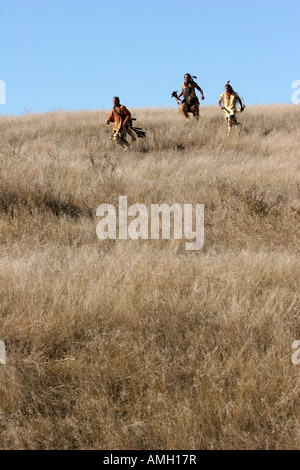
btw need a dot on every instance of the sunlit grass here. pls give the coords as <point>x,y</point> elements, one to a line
<point>141,344</point>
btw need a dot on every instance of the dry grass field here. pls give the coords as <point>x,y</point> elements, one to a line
<point>141,344</point>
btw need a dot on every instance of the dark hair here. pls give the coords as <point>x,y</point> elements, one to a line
<point>189,75</point>
<point>231,90</point>
<point>229,86</point>
<point>116,98</point>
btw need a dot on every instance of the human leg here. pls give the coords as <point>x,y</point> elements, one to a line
<point>120,138</point>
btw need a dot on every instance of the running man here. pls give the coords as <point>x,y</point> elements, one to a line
<point>227,104</point>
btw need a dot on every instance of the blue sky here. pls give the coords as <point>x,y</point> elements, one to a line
<point>78,54</point>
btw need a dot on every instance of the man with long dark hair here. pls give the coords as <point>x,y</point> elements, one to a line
<point>190,102</point>
<point>227,104</point>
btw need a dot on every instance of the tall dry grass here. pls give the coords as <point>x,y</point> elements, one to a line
<point>141,344</point>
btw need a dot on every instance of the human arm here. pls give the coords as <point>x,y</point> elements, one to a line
<point>199,89</point>
<point>239,101</point>
<point>127,114</point>
<point>111,118</point>
<point>181,93</point>
<point>241,104</point>
<point>220,104</point>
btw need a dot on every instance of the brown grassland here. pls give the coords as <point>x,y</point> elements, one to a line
<point>141,344</point>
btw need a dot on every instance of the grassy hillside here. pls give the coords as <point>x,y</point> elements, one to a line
<point>142,344</point>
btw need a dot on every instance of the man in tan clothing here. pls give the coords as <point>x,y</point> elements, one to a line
<point>227,103</point>
<point>190,102</point>
<point>121,117</point>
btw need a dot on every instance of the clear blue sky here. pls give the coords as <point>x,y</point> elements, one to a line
<point>78,54</point>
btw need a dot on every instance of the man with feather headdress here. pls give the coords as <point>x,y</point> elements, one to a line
<point>190,102</point>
